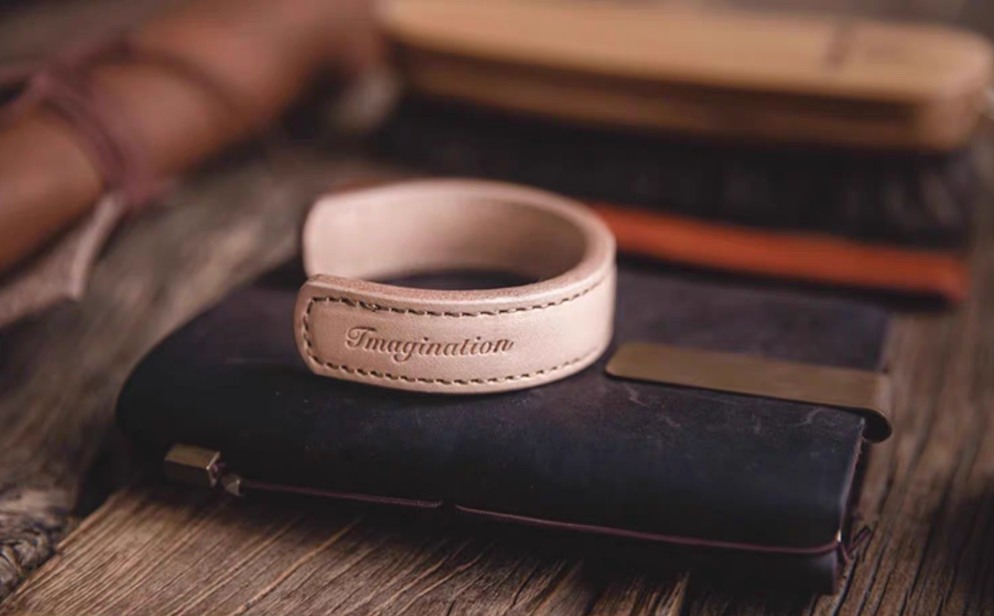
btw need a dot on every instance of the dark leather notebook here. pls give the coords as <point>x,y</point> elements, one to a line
<point>739,479</point>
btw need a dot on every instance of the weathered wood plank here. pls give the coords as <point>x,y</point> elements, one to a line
<point>155,550</point>
<point>929,483</point>
<point>929,494</point>
<point>200,553</point>
<point>61,372</point>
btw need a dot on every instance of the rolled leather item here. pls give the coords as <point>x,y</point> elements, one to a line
<point>737,482</point>
<point>119,116</point>
<point>171,93</point>
<point>454,341</point>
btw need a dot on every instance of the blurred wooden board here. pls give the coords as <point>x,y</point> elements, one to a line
<point>754,75</point>
<point>928,500</point>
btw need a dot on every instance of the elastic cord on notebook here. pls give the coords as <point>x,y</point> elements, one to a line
<point>63,85</point>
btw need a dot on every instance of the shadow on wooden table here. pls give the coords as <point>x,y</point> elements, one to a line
<point>157,549</point>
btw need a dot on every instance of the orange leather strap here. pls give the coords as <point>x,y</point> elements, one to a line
<point>811,258</point>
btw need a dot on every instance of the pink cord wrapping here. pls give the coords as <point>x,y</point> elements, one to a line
<point>63,85</point>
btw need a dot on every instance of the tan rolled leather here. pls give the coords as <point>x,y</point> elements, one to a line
<point>455,342</point>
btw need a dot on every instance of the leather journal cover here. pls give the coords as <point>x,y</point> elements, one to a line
<point>749,482</point>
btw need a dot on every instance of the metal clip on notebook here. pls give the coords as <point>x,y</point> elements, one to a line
<point>865,393</point>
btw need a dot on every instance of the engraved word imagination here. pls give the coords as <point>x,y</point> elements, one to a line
<point>365,339</point>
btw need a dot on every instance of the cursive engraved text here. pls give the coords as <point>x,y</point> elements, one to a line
<point>365,339</point>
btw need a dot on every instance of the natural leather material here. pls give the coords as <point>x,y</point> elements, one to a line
<point>454,341</point>
<point>745,482</point>
<point>197,77</point>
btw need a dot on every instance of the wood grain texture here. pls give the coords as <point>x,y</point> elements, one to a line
<point>928,503</point>
<point>200,554</point>
<point>928,506</point>
<point>766,77</point>
<point>61,372</point>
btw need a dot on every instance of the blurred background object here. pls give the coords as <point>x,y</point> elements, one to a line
<point>808,147</point>
<point>854,173</point>
<point>124,112</point>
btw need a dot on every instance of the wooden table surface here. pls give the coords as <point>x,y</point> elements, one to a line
<point>928,502</point>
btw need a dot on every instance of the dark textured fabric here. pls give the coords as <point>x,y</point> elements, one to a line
<point>911,199</point>
<point>592,450</point>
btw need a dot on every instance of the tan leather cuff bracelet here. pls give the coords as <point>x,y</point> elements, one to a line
<point>454,341</point>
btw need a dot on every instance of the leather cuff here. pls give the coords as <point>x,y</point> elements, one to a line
<point>454,341</point>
